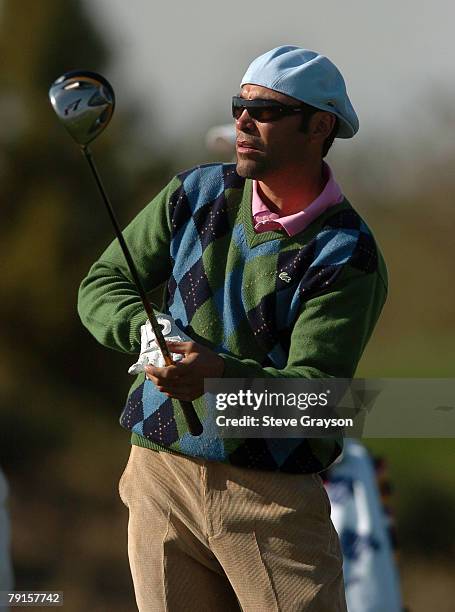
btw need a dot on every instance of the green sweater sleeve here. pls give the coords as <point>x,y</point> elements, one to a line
<point>109,304</point>
<point>330,333</point>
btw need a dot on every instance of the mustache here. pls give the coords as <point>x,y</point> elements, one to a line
<point>248,141</point>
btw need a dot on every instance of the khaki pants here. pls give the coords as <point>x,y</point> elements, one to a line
<point>205,536</point>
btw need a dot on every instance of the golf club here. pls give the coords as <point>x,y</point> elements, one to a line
<point>84,102</point>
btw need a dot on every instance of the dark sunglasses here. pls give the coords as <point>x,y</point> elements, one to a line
<point>262,110</point>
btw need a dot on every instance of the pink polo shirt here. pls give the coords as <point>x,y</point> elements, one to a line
<point>265,220</point>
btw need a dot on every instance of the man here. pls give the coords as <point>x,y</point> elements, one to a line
<point>354,485</point>
<point>271,273</point>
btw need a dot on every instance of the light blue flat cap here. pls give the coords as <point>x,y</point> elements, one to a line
<point>306,76</point>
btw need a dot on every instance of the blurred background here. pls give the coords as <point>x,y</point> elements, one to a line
<point>174,68</point>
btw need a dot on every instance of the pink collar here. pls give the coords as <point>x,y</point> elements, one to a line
<point>264,220</point>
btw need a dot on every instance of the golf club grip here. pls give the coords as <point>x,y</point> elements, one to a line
<point>191,418</point>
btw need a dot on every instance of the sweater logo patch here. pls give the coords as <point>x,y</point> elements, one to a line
<point>284,276</point>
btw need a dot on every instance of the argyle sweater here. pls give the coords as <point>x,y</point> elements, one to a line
<point>271,305</point>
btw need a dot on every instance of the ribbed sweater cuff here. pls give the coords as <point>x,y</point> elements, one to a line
<point>233,367</point>
<point>135,327</point>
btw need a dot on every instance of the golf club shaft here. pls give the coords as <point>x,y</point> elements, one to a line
<point>193,422</point>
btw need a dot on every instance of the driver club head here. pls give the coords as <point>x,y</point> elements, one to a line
<point>84,102</point>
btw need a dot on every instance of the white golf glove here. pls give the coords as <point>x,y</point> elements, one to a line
<point>150,351</point>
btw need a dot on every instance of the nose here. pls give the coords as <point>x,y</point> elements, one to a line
<point>244,121</point>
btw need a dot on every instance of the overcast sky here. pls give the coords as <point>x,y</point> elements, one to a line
<point>184,60</point>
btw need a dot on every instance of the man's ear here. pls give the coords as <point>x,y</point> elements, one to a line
<point>322,124</point>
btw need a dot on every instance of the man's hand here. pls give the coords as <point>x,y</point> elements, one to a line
<point>185,379</point>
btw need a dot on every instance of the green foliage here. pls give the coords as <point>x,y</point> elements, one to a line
<point>423,495</point>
